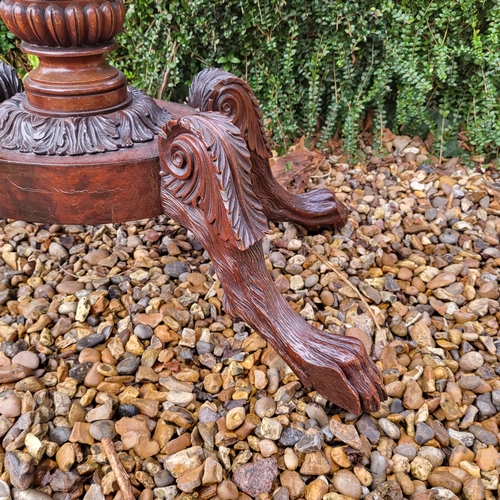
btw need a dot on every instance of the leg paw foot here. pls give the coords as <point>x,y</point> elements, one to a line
<point>340,370</point>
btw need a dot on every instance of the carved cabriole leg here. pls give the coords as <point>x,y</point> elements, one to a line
<point>206,172</point>
<point>217,90</point>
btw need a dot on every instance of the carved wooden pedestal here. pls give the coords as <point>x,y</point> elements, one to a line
<point>80,147</point>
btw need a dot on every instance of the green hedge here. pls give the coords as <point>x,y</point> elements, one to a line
<point>419,65</point>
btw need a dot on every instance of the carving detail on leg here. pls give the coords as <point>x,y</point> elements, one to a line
<point>217,90</point>
<point>206,172</point>
<point>10,83</point>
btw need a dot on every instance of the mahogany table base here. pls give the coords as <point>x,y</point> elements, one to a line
<point>209,170</point>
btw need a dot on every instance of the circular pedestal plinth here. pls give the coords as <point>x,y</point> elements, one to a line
<point>89,189</point>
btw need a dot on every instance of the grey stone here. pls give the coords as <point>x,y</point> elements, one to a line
<point>144,332</point>
<point>390,284</point>
<point>90,341</point>
<point>163,478</point>
<point>390,428</point>
<point>378,468</point>
<point>79,372</point>
<point>318,413</point>
<point>128,366</point>
<point>310,441</point>
<point>290,436</point>
<point>495,398</point>
<point>60,435</point>
<point>483,435</point>
<point>102,429</point>
<point>406,450</point>
<point>63,481</point>
<point>369,428</point>
<point>126,410</point>
<point>449,237</point>
<point>485,406</point>
<point>207,415</point>
<point>21,468</point>
<point>175,269</point>
<point>423,433</point>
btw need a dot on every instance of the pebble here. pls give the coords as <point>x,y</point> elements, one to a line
<point>128,366</point>
<point>311,441</point>
<point>271,428</point>
<point>4,491</point>
<point>21,469</point>
<point>10,406</point>
<point>256,478</point>
<point>94,493</point>
<point>471,361</point>
<point>28,359</point>
<point>420,468</point>
<point>346,483</point>
<point>29,494</point>
<point>434,455</point>
<point>367,427</point>
<point>290,436</point>
<point>102,429</point>
<point>346,433</point>
<point>390,429</point>
<point>423,433</point>
<point>265,407</point>
<point>235,417</point>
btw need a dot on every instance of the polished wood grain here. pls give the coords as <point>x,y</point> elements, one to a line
<point>90,189</point>
<point>63,23</point>
<point>80,147</point>
<point>217,90</point>
<point>206,179</point>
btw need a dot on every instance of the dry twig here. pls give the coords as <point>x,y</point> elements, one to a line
<point>120,473</point>
<point>332,267</point>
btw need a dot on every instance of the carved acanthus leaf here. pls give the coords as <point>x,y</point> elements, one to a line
<point>27,132</point>
<point>10,83</point>
<point>217,90</point>
<point>205,163</point>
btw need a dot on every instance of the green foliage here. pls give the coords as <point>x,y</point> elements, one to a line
<point>320,65</point>
<point>6,44</point>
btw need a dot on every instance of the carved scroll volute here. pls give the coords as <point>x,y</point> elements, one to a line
<point>206,164</point>
<point>62,23</point>
<point>217,90</point>
<point>10,83</point>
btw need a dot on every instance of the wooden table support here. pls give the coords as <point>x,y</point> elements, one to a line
<point>79,146</point>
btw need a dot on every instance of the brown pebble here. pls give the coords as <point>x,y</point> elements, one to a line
<point>28,359</point>
<point>227,490</point>
<point>65,457</point>
<point>93,377</point>
<point>13,373</point>
<point>10,406</point>
<point>107,357</point>
<point>327,298</point>
<point>89,355</point>
<point>146,494</point>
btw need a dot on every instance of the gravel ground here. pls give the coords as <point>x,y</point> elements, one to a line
<point>118,332</point>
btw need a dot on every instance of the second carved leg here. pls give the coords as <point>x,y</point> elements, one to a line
<point>217,90</point>
<point>206,186</point>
